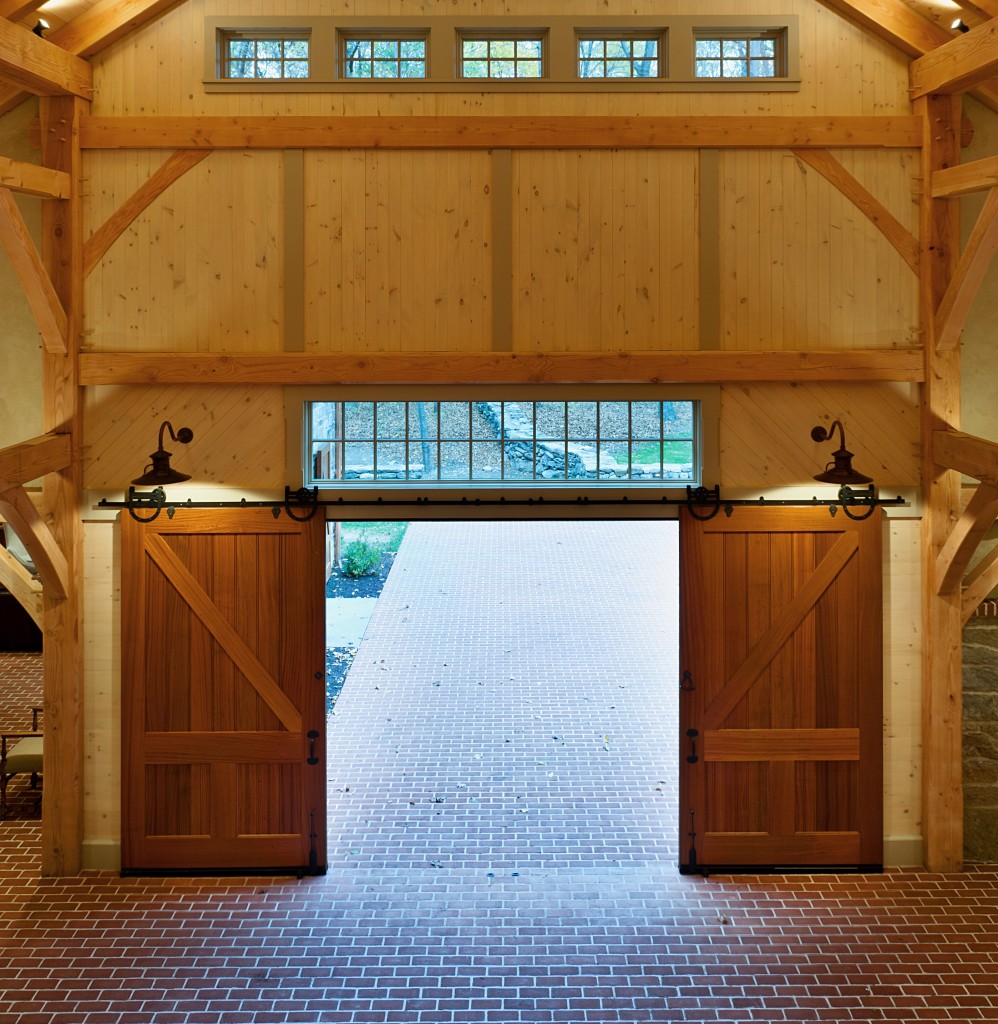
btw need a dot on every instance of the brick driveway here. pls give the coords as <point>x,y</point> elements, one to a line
<point>478,880</point>
<point>513,703</point>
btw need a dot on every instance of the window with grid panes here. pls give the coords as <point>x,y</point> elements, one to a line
<point>502,442</point>
<point>494,57</point>
<point>619,56</point>
<point>380,57</point>
<point>273,56</point>
<point>732,55</point>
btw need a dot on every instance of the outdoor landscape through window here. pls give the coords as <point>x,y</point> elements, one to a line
<point>503,441</point>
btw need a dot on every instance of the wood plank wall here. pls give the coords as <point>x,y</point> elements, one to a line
<point>606,252</point>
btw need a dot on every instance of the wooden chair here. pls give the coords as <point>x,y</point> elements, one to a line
<point>20,754</point>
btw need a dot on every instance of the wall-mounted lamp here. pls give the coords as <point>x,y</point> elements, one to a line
<point>159,472</point>
<point>959,25</point>
<point>840,470</point>
<point>42,26</point>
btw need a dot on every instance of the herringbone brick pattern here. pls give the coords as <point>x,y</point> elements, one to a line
<point>470,882</point>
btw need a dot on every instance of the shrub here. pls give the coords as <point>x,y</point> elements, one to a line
<point>360,558</point>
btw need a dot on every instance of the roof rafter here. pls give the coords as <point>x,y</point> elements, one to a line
<point>41,67</point>
<point>103,24</point>
<point>909,31</point>
<point>958,65</point>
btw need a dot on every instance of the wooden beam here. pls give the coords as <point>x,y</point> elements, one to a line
<point>967,454</point>
<point>954,557</point>
<point>496,132</point>
<point>15,10</point>
<point>965,179</point>
<point>41,67</point>
<point>93,31</point>
<point>32,180</point>
<point>19,510</point>
<point>980,581</point>
<point>104,237</point>
<point>62,251</point>
<point>889,226</point>
<point>968,276</point>
<point>25,590</point>
<point>942,622</point>
<point>903,365</point>
<point>15,240</point>
<point>902,26</point>
<point>961,63</point>
<point>28,460</point>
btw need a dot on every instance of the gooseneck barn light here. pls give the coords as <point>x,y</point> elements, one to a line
<point>159,472</point>
<point>839,470</point>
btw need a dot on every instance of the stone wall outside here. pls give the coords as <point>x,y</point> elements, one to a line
<point>980,739</point>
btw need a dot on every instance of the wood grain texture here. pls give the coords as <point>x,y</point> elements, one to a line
<point>954,556</point>
<point>497,367</point>
<point>965,179</point>
<point>41,67</point>
<point>32,180</point>
<point>104,237</point>
<point>481,132</point>
<point>972,456</point>
<point>19,582</point>
<point>232,643</point>
<point>979,583</point>
<point>959,64</point>
<point>976,258</point>
<point>21,463</point>
<point>891,228</point>
<point>19,510</point>
<point>15,239</point>
<point>781,744</point>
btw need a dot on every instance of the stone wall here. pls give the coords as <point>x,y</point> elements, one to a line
<point>980,739</point>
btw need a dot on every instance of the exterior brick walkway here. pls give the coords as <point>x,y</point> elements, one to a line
<point>531,892</point>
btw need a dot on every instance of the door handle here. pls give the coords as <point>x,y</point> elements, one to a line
<point>313,735</point>
<point>692,758</point>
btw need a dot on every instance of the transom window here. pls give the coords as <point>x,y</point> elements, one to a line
<point>383,57</point>
<point>494,57</point>
<point>265,55</point>
<point>619,57</point>
<point>502,442</point>
<point>738,56</point>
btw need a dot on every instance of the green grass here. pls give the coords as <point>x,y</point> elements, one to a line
<point>674,451</point>
<point>385,536</point>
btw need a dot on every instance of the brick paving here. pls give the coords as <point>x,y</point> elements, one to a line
<point>478,880</point>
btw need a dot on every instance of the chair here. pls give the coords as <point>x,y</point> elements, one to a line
<point>20,754</point>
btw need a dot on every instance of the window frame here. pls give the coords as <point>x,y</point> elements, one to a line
<point>726,35</point>
<point>298,398</point>
<point>502,35</point>
<point>560,58</point>
<point>631,36</point>
<point>345,36</point>
<point>282,36</point>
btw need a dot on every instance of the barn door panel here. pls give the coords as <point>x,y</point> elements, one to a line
<point>223,705</point>
<point>780,714</point>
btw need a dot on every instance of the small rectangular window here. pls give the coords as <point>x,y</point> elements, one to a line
<point>621,56</point>
<point>375,56</point>
<point>502,57</point>
<point>600,442</point>
<point>733,55</point>
<point>267,55</point>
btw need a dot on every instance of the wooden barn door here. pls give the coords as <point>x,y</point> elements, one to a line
<point>223,704</point>
<point>780,709</point>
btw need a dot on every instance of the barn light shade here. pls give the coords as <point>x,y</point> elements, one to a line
<point>159,471</point>
<point>959,25</point>
<point>839,470</point>
<point>41,26</point>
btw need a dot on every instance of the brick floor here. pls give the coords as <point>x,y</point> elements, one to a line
<point>556,897</point>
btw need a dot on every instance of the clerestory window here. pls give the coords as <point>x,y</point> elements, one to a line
<point>502,57</point>
<point>736,55</point>
<point>624,56</point>
<point>502,442</point>
<point>375,57</point>
<point>264,55</point>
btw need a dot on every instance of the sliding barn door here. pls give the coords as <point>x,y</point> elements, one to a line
<point>223,705</point>
<point>780,706</point>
